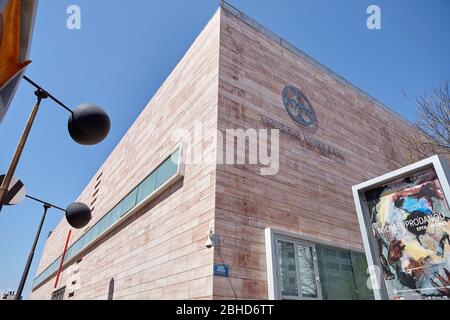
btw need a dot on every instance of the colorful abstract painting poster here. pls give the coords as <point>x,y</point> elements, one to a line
<point>410,221</point>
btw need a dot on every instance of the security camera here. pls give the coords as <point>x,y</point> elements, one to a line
<point>209,243</point>
<point>211,240</point>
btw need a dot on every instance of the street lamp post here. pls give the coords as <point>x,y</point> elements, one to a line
<point>31,255</point>
<point>23,139</point>
<point>88,124</point>
<point>77,214</point>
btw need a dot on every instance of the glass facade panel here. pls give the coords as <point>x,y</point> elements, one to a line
<point>82,242</point>
<point>288,273</point>
<point>56,264</point>
<point>146,187</point>
<point>104,223</point>
<point>343,274</point>
<point>95,231</point>
<point>307,272</point>
<point>129,202</point>
<point>336,274</point>
<point>165,171</point>
<point>158,177</point>
<point>115,213</point>
<point>87,237</point>
<point>76,247</point>
<point>359,264</point>
<point>69,253</point>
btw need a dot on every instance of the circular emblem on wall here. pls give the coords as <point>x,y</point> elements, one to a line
<point>299,106</point>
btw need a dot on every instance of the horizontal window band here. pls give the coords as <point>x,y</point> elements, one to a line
<point>159,180</point>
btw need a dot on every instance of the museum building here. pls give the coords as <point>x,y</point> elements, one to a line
<point>167,228</point>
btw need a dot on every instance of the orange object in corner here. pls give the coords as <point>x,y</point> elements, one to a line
<point>10,64</point>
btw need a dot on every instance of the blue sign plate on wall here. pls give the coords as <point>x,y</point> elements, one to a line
<point>222,270</point>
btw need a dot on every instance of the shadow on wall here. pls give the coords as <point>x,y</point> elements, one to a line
<point>111,289</point>
<point>229,279</point>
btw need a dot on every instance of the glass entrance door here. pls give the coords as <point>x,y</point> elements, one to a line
<point>298,271</point>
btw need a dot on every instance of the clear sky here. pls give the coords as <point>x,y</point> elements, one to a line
<point>126,49</point>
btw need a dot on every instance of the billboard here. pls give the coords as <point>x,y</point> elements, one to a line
<point>404,218</point>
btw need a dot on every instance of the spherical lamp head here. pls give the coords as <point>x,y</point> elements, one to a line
<point>89,124</point>
<point>78,215</point>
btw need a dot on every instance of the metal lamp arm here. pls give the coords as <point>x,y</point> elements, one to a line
<point>38,87</point>
<point>46,203</point>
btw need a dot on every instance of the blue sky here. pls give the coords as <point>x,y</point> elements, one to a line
<point>126,49</point>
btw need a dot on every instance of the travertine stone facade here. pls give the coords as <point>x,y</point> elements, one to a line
<point>160,252</point>
<point>230,78</point>
<point>311,194</point>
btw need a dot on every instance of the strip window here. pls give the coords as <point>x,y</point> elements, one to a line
<point>150,185</point>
